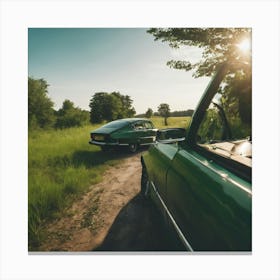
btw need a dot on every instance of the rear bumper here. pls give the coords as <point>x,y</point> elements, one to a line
<point>92,142</point>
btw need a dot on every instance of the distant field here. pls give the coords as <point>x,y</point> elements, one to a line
<point>172,122</point>
<point>61,166</point>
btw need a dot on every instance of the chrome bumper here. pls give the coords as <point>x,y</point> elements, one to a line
<point>92,142</point>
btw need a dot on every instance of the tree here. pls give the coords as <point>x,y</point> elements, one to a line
<point>218,45</point>
<point>126,111</point>
<point>97,104</point>
<point>149,113</point>
<point>70,116</point>
<point>164,111</point>
<point>40,106</point>
<point>67,105</point>
<point>110,106</point>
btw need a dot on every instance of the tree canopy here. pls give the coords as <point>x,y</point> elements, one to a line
<point>40,106</point>
<point>70,116</point>
<point>218,45</point>
<point>110,106</point>
<point>41,113</point>
<point>149,113</point>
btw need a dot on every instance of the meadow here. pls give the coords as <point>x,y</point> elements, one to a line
<point>61,167</point>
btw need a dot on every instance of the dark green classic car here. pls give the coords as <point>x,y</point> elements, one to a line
<point>132,132</point>
<point>201,178</point>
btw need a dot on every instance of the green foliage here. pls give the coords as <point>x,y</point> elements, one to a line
<point>184,113</point>
<point>237,95</point>
<point>187,113</point>
<point>61,166</point>
<point>41,113</point>
<point>237,102</point>
<point>229,117</point>
<point>97,105</point>
<point>126,111</point>
<point>164,111</point>
<point>70,116</point>
<point>40,106</point>
<point>218,45</point>
<point>110,106</point>
<point>149,113</point>
<point>211,127</point>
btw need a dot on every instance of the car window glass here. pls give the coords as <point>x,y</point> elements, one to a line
<point>227,123</point>
<point>148,125</point>
<point>116,124</point>
<point>138,125</point>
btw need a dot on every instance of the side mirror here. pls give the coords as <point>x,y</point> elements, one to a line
<point>171,135</point>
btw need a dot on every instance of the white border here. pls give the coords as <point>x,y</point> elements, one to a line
<point>17,16</point>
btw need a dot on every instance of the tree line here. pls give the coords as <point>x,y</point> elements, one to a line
<point>103,107</point>
<point>149,113</point>
<point>41,113</point>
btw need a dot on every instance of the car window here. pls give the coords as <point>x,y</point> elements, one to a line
<point>148,125</point>
<point>226,128</point>
<point>138,125</point>
<point>116,124</point>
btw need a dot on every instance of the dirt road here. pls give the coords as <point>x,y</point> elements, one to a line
<point>111,216</point>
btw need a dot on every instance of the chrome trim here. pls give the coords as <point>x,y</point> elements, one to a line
<point>223,175</point>
<point>179,232</point>
<point>116,143</point>
<point>169,141</point>
<point>103,143</point>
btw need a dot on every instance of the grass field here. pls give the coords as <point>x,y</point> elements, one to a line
<point>172,122</point>
<point>61,166</point>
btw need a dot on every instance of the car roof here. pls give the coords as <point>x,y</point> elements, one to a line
<point>131,120</point>
<point>122,122</point>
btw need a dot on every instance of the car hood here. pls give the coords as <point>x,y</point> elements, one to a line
<point>105,130</point>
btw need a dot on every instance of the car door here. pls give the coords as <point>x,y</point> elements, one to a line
<point>138,132</point>
<point>159,161</point>
<point>149,133</point>
<point>211,206</point>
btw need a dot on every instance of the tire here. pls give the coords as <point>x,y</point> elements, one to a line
<point>133,148</point>
<point>145,184</point>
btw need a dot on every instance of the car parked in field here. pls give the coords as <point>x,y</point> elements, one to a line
<point>200,178</point>
<point>131,132</point>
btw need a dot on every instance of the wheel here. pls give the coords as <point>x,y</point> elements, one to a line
<point>145,185</point>
<point>132,148</point>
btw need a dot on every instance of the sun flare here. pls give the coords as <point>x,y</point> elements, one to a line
<point>245,45</point>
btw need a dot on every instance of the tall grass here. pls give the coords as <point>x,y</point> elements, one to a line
<point>61,165</point>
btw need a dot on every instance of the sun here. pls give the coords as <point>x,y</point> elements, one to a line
<point>245,45</point>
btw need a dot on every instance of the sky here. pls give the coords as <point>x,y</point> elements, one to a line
<point>78,62</point>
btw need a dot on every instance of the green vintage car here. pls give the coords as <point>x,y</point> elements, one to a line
<point>201,178</point>
<point>132,132</point>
